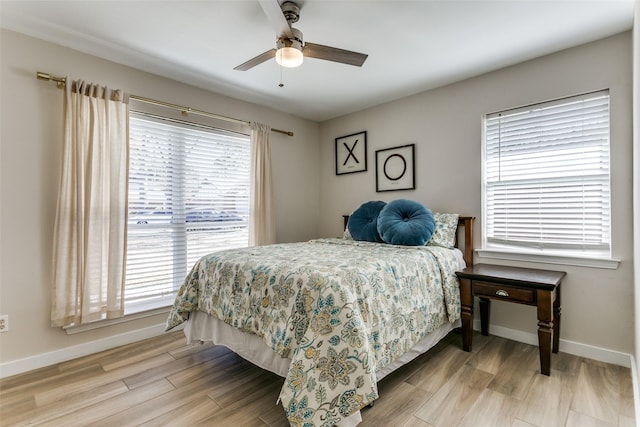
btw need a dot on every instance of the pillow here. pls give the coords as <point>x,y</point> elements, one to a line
<point>346,235</point>
<point>363,222</point>
<point>406,222</point>
<point>445,232</point>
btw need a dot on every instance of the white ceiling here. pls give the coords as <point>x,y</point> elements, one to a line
<point>412,45</point>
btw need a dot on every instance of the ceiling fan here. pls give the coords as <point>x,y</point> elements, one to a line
<point>290,47</point>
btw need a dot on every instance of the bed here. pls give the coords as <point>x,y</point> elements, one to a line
<point>331,316</point>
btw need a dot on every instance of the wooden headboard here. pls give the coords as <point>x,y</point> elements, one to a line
<point>466,222</point>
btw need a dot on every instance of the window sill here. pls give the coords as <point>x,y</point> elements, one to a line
<point>71,330</point>
<point>606,263</point>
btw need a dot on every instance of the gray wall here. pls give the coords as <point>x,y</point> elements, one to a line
<point>445,125</point>
<point>30,140</point>
<point>636,193</point>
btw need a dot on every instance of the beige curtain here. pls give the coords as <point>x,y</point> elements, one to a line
<point>262,226</point>
<point>90,228</point>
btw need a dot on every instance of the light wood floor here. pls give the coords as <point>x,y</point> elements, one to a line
<point>162,381</point>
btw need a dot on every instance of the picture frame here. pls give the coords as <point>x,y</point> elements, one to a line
<point>395,168</point>
<point>351,153</point>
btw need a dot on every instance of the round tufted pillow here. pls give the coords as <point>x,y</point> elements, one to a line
<point>406,222</point>
<point>363,222</point>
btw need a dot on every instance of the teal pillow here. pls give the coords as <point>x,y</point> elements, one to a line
<point>406,222</point>
<point>363,222</point>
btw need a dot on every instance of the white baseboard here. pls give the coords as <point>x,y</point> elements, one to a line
<point>46,359</point>
<point>57,356</point>
<point>571,347</point>
<point>636,387</point>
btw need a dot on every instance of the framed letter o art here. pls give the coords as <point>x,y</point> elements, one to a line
<point>395,168</point>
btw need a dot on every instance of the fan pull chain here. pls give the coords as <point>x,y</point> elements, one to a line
<point>281,84</point>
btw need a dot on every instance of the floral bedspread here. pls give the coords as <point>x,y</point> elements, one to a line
<point>339,309</point>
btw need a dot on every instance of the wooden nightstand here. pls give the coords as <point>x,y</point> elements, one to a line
<point>513,284</point>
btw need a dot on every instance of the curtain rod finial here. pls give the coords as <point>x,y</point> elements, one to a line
<point>60,81</point>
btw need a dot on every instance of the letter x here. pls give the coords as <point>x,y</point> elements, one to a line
<point>350,150</point>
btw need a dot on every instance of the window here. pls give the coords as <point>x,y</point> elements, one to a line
<point>188,196</point>
<point>546,178</point>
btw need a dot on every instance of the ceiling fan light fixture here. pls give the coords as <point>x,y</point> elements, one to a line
<point>290,44</point>
<point>289,49</point>
<point>289,57</point>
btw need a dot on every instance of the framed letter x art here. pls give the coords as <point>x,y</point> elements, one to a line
<point>351,153</point>
<point>395,168</point>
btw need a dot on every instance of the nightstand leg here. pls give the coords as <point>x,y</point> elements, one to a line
<point>556,321</point>
<point>545,330</point>
<point>466,302</point>
<point>485,307</point>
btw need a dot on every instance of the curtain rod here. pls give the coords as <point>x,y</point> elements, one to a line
<point>62,81</point>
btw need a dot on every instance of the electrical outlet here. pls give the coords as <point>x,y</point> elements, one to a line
<point>4,323</point>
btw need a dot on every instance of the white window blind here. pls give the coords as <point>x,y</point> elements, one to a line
<point>546,177</point>
<point>188,196</point>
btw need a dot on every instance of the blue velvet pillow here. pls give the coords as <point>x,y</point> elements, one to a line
<point>406,222</point>
<point>363,222</point>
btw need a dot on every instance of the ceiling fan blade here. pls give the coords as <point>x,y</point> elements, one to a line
<point>257,60</point>
<point>276,18</point>
<point>334,54</point>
